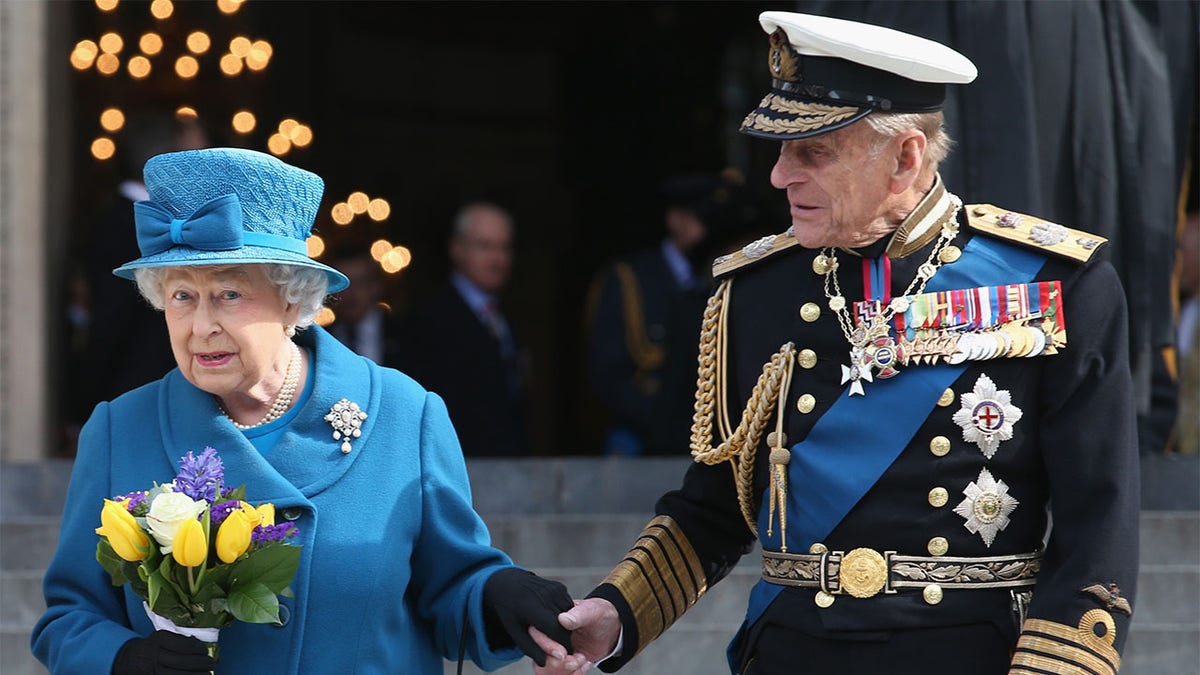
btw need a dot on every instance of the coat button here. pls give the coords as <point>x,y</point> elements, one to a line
<point>806,403</point>
<point>807,358</point>
<point>939,446</point>
<point>938,497</point>
<point>938,546</point>
<point>285,615</point>
<point>810,311</point>
<point>932,594</point>
<point>817,548</point>
<point>291,513</point>
<point>946,398</point>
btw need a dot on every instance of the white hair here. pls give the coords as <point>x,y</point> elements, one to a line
<point>299,285</point>
<point>938,142</point>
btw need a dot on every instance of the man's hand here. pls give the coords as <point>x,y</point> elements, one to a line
<point>520,601</point>
<point>595,628</point>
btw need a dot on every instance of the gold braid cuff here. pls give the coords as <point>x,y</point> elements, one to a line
<point>660,578</point>
<point>1048,647</point>
<point>740,445</point>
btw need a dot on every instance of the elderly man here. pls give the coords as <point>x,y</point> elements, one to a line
<point>891,403</point>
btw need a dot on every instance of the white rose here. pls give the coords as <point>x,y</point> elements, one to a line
<point>167,512</point>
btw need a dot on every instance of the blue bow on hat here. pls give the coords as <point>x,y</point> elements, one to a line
<point>215,226</point>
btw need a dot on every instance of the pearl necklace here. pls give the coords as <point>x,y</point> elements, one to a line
<point>283,400</point>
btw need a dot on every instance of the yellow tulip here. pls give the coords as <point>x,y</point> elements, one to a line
<point>124,535</point>
<point>190,548</point>
<point>266,514</point>
<point>234,536</point>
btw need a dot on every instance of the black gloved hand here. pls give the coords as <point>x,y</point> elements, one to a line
<point>518,599</point>
<point>163,653</point>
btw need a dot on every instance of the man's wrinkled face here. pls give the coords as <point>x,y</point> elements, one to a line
<point>837,184</point>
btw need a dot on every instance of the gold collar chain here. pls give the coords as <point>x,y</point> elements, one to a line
<point>871,346</point>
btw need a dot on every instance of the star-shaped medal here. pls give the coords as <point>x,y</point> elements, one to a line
<point>987,416</point>
<point>986,507</point>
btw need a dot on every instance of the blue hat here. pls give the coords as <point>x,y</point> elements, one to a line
<point>227,206</point>
<point>828,73</point>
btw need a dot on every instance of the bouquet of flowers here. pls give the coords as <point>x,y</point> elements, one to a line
<point>160,542</point>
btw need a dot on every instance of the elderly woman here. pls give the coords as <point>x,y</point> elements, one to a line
<point>396,570</point>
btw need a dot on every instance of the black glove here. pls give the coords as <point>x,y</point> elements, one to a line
<point>517,599</point>
<point>163,653</point>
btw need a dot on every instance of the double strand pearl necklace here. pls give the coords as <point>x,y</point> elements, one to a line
<point>283,400</point>
<point>871,346</point>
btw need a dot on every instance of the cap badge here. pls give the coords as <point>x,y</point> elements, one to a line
<point>987,416</point>
<point>986,507</point>
<point>783,62</point>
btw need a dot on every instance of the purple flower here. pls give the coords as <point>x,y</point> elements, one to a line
<point>132,500</point>
<point>269,534</point>
<point>219,512</point>
<point>200,477</point>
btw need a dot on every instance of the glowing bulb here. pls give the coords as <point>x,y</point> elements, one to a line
<point>259,55</point>
<point>324,317</point>
<point>244,121</point>
<point>198,42</point>
<point>286,126</point>
<point>161,9</point>
<point>231,65</point>
<point>187,67</point>
<point>278,144</point>
<point>341,213</point>
<point>378,210</point>
<point>229,6</point>
<point>301,135</point>
<point>107,64</point>
<point>111,43</point>
<point>379,248</point>
<point>112,119</point>
<point>239,46</point>
<point>395,260</point>
<point>358,202</point>
<point>150,44</point>
<point>186,112</point>
<point>316,246</point>
<point>103,148</point>
<point>106,5</point>
<point>84,54</point>
<point>139,67</point>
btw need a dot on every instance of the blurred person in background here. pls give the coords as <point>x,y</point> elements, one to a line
<point>363,320</point>
<point>125,343</point>
<point>644,311</point>
<point>396,570</point>
<point>459,343</point>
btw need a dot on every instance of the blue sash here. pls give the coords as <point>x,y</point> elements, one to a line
<point>859,437</point>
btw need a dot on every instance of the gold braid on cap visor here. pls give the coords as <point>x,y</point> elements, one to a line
<point>804,116</point>
<point>660,578</point>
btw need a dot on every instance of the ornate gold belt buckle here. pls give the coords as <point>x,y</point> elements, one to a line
<point>863,573</point>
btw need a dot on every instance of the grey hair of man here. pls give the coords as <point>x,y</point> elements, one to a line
<point>938,142</point>
<point>465,215</point>
<point>302,286</point>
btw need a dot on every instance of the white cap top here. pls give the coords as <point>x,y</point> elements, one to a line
<point>906,55</point>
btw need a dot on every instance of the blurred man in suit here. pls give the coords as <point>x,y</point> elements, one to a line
<point>459,344</point>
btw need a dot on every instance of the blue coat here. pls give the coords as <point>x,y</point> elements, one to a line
<point>393,552</point>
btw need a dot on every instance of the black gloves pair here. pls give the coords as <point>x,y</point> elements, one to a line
<point>163,653</point>
<point>516,599</point>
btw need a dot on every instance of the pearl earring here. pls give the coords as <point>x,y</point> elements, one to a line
<point>289,330</point>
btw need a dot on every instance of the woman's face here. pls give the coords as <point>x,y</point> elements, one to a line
<point>227,328</point>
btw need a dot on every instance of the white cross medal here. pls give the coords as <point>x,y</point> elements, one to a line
<point>987,416</point>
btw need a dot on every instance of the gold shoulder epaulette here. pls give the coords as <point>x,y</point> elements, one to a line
<point>752,253</point>
<point>1033,232</point>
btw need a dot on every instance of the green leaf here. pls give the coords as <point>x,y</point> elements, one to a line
<point>272,567</point>
<point>254,604</point>
<point>111,562</point>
